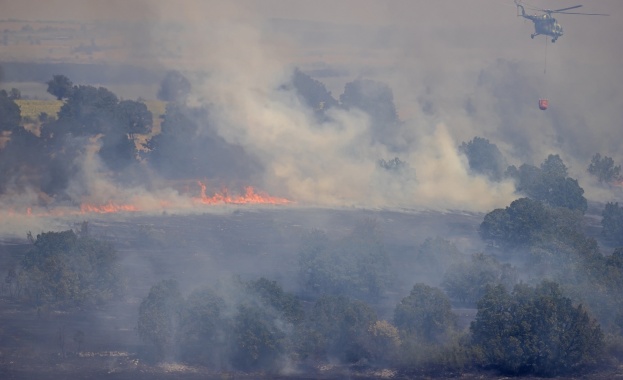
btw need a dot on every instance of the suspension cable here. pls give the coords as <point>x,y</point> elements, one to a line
<point>545,63</point>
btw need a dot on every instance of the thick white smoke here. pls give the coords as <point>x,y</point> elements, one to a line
<point>444,61</point>
<point>326,163</point>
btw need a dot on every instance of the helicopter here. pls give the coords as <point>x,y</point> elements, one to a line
<point>546,24</point>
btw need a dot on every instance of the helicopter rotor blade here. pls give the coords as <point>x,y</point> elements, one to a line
<point>560,11</point>
<point>585,14</point>
<point>565,9</point>
<point>529,6</point>
<point>532,8</point>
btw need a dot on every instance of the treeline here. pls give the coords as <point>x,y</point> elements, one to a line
<point>256,326</point>
<point>98,133</point>
<point>66,270</point>
<point>555,310</point>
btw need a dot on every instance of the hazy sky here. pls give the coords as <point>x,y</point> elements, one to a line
<point>472,62</point>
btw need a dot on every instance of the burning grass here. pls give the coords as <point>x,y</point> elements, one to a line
<point>171,201</point>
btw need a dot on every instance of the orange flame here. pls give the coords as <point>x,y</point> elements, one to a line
<point>107,208</point>
<point>250,197</point>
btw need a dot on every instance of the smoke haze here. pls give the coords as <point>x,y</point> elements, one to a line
<point>456,70</point>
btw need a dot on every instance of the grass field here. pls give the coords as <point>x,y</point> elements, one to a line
<point>31,109</point>
<point>157,108</point>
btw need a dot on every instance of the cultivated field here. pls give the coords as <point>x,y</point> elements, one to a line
<point>31,109</point>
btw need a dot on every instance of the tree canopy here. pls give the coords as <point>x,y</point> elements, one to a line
<point>60,86</point>
<point>520,224</point>
<point>10,114</point>
<point>340,327</point>
<point>467,282</point>
<point>612,222</point>
<point>377,100</point>
<point>313,93</point>
<point>204,328</point>
<point>484,157</point>
<point>425,314</point>
<point>158,319</point>
<point>189,147</point>
<point>64,267</point>
<point>535,331</point>
<point>91,120</point>
<point>356,265</point>
<point>549,183</point>
<point>604,169</point>
<point>175,87</point>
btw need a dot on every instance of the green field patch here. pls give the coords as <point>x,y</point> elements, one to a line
<point>32,108</point>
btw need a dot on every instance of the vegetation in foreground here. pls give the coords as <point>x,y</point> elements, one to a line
<point>548,327</point>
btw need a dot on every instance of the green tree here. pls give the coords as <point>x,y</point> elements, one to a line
<point>520,224</point>
<point>204,329</point>
<point>612,222</point>
<point>60,86</point>
<point>134,117</point>
<point>425,314</point>
<point>484,157</point>
<point>170,151</point>
<point>356,265</point>
<point>553,166</point>
<point>549,184</point>
<point>10,114</point>
<point>175,87</point>
<point>20,158</point>
<point>434,256</point>
<point>313,93</point>
<point>377,100</point>
<point>271,294</point>
<point>67,268</point>
<point>189,147</point>
<point>158,319</point>
<point>543,239</point>
<point>565,192</point>
<point>88,111</point>
<point>258,341</point>
<point>526,177</point>
<point>263,325</point>
<point>384,342</point>
<point>118,150</point>
<point>97,112</point>
<point>338,327</point>
<point>373,97</point>
<point>597,282</point>
<point>15,94</point>
<point>496,226</point>
<point>604,169</point>
<point>535,331</point>
<point>467,282</point>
